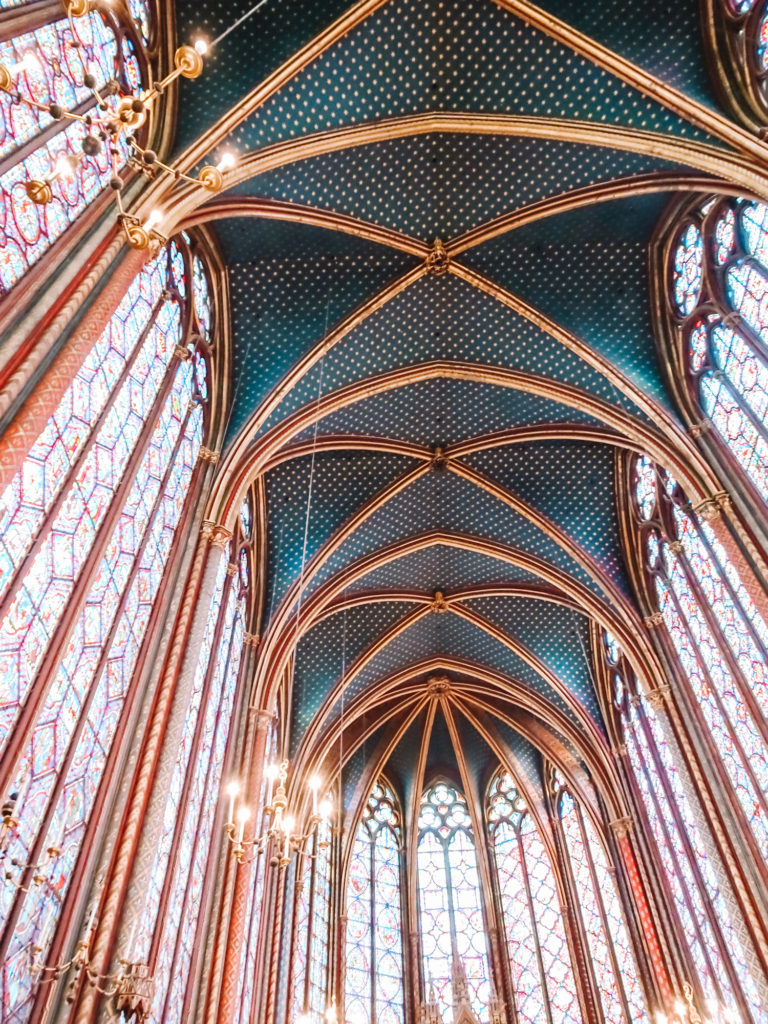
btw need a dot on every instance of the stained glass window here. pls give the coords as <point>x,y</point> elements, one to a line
<point>540,963</point>
<point>50,64</point>
<point>374,944</point>
<point>718,303</point>
<point>599,906</point>
<point>683,845</point>
<point>90,524</point>
<point>718,635</point>
<point>452,929</point>
<point>309,973</point>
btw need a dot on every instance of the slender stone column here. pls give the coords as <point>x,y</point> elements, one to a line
<point>621,829</point>
<point>237,919</point>
<point>146,804</point>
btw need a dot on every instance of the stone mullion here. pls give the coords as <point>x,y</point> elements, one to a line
<point>579,949</point>
<point>209,880</point>
<point>53,655</point>
<point>720,709</point>
<point>534,925</point>
<point>602,911</point>
<point>237,928</point>
<point>711,512</point>
<point>38,846</point>
<point>42,402</point>
<point>115,914</point>
<point>507,987</point>
<point>75,469</point>
<point>227,594</point>
<point>721,857</point>
<point>724,647</point>
<point>690,856</point>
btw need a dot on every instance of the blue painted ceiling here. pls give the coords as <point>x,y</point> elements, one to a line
<point>291,284</point>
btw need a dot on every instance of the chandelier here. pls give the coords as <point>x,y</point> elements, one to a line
<point>112,125</point>
<point>278,826</point>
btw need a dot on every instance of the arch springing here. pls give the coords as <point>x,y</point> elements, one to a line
<point>540,962</point>
<point>452,928</point>
<point>374,990</point>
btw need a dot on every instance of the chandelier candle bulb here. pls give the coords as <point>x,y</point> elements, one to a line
<point>243,816</point>
<point>314,785</point>
<point>232,790</point>
<point>271,773</point>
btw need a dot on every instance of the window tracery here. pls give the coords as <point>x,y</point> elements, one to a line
<point>738,33</point>
<point>452,928</point>
<point>540,963</point>
<point>90,523</point>
<point>718,636</point>
<point>374,944</point>
<point>683,845</point>
<point>719,287</point>
<point>599,907</point>
<point>52,63</point>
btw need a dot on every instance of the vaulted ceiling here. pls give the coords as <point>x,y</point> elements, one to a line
<point>426,421</point>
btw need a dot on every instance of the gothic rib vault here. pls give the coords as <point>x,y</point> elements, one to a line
<point>436,239</point>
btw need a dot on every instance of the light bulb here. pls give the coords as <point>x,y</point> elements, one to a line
<point>325,810</point>
<point>661,1018</point>
<point>288,825</point>
<point>227,161</point>
<point>679,1008</point>
<point>243,814</point>
<point>201,45</point>
<point>330,1014</point>
<point>233,788</point>
<point>303,1018</point>
<point>28,62</point>
<point>273,770</point>
<point>153,220</point>
<point>65,166</point>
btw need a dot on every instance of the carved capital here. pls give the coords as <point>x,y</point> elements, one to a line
<point>620,751</point>
<point>206,455</point>
<point>206,531</point>
<point>676,547</point>
<point>713,507</point>
<point>654,620</point>
<point>182,352</point>
<point>232,569</point>
<point>220,537</point>
<point>658,697</point>
<point>252,640</point>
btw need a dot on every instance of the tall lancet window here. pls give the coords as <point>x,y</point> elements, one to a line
<point>373,974</point>
<point>599,906</point>
<point>717,299</point>
<point>717,634</point>
<point>51,64</point>
<point>309,972</point>
<point>90,524</point>
<point>454,944</point>
<point>539,958</point>
<point>180,878</point>
<point>683,845</point>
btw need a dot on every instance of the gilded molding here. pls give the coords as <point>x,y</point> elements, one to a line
<point>207,455</point>
<point>232,569</point>
<point>220,537</point>
<point>651,621</point>
<point>658,698</point>
<point>713,508</point>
